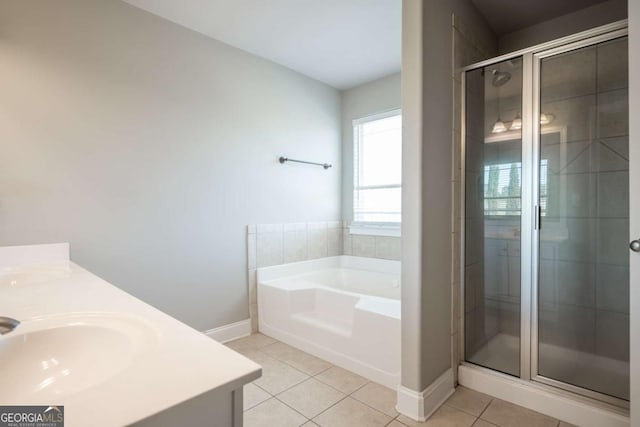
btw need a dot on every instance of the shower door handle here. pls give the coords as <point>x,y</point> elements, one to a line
<point>635,245</point>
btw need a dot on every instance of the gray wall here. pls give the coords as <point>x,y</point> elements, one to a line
<point>370,98</point>
<point>427,102</point>
<point>149,147</point>
<point>584,19</point>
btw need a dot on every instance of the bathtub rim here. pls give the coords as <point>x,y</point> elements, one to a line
<point>375,265</point>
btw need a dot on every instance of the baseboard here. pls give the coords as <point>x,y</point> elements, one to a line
<point>577,411</point>
<point>421,405</point>
<point>230,332</point>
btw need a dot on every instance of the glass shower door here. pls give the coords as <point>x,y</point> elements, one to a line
<point>493,189</point>
<point>583,197</point>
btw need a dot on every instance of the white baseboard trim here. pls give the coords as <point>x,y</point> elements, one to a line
<point>421,405</point>
<point>576,411</point>
<point>231,331</point>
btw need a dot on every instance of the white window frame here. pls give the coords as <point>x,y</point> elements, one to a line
<point>361,227</point>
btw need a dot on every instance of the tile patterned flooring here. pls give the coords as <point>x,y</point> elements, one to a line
<point>298,389</point>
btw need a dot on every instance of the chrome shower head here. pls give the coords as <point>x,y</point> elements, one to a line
<point>500,77</point>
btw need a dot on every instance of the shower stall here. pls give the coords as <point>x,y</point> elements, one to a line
<point>545,295</point>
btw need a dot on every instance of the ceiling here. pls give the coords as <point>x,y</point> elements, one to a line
<point>343,43</point>
<point>505,16</point>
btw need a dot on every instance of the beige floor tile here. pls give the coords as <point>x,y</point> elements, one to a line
<point>396,423</point>
<point>252,342</point>
<point>378,397</point>
<point>345,381</point>
<point>300,360</point>
<point>445,416</point>
<point>272,413</point>
<point>563,424</point>
<point>253,395</point>
<point>469,401</point>
<point>482,423</point>
<point>506,414</point>
<point>409,422</point>
<point>311,397</point>
<point>310,424</point>
<point>257,356</point>
<point>351,413</point>
<point>251,354</point>
<point>277,376</point>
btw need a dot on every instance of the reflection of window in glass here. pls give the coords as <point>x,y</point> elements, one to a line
<point>503,188</point>
<point>378,169</point>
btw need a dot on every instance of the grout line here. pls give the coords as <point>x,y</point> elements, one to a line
<point>297,369</point>
<point>370,406</point>
<point>259,350</point>
<point>357,389</point>
<point>321,372</point>
<point>286,363</point>
<point>269,394</point>
<point>244,411</point>
<point>292,408</point>
<point>329,407</point>
<point>461,410</point>
<point>290,387</point>
<point>485,421</point>
<point>266,391</point>
<point>396,420</point>
<point>349,396</point>
<point>485,408</point>
<point>335,388</point>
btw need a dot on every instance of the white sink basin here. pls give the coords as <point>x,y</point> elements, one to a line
<point>49,358</point>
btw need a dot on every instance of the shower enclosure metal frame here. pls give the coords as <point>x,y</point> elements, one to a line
<point>530,209</point>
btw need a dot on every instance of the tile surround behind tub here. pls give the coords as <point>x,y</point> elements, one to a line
<point>295,242</point>
<point>317,240</point>
<point>383,247</point>
<point>269,248</point>
<point>364,246</point>
<point>388,247</point>
<point>334,241</point>
<point>273,244</point>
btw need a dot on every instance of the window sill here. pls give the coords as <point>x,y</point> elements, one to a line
<point>375,230</point>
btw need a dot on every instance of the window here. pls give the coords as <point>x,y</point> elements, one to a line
<point>377,170</point>
<point>502,188</point>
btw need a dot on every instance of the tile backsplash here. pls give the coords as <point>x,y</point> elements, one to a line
<point>274,244</point>
<point>385,247</point>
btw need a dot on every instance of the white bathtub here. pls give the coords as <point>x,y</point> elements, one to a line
<point>343,309</point>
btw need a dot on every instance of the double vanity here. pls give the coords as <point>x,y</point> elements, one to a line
<point>69,338</point>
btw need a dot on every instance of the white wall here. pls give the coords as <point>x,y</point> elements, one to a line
<point>365,100</point>
<point>149,147</point>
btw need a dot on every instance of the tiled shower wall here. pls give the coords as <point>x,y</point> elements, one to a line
<point>466,50</point>
<point>274,244</point>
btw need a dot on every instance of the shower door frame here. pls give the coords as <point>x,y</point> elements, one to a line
<point>530,196</point>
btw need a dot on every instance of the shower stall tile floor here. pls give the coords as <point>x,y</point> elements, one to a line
<point>298,389</point>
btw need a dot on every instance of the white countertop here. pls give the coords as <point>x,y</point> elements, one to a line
<point>173,363</point>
